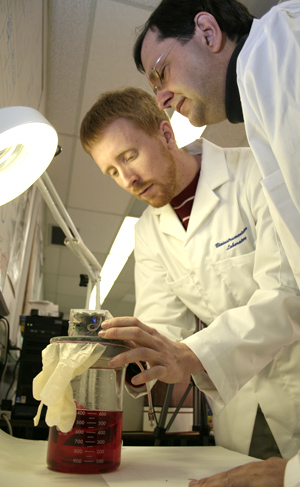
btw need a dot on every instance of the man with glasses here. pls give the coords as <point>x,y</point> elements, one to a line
<point>205,247</point>
<point>211,60</point>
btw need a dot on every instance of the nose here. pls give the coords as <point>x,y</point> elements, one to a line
<point>164,99</point>
<point>128,178</point>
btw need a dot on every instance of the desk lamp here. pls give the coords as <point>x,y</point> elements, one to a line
<point>28,143</point>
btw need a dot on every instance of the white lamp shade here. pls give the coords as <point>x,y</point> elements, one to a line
<point>28,144</point>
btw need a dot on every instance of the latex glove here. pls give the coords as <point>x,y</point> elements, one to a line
<point>52,386</point>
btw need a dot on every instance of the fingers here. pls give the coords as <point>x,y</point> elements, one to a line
<point>218,480</point>
<point>158,369</point>
<point>269,473</point>
<point>169,361</point>
<point>126,321</point>
<point>151,374</point>
<point>134,334</point>
<point>135,355</point>
<point>130,329</point>
<point>208,482</point>
<point>146,344</point>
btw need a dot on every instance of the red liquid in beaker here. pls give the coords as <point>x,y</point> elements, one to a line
<point>92,446</point>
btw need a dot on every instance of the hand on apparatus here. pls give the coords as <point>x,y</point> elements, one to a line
<point>169,361</point>
<point>268,473</point>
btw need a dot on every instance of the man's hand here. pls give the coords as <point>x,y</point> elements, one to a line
<point>269,473</point>
<point>169,361</point>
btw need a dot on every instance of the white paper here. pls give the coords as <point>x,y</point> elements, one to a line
<point>23,463</point>
<point>175,466</point>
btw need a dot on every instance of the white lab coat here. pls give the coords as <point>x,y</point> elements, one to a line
<point>268,76</point>
<point>230,271</point>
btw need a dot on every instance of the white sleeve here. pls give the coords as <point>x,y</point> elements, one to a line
<point>241,341</point>
<point>268,75</point>
<point>292,472</point>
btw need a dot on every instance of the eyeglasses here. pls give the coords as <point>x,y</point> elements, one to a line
<point>155,78</point>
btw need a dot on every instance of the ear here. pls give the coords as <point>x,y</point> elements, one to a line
<point>167,134</point>
<point>207,28</point>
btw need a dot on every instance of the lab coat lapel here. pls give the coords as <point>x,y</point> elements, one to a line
<point>169,222</point>
<point>205,202</point>
<point>214,173</point>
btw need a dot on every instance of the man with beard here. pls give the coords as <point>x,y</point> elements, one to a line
<point>205,249</point>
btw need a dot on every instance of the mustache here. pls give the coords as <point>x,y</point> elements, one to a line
<point>140,188</point>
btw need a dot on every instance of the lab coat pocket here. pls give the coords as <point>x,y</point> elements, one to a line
<point>190,292</point>
<point>184,287</point>
<point>236,275</point>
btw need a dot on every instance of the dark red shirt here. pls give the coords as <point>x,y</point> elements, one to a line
<point>182,203</point>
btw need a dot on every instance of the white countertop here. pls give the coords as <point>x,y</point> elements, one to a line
<point>23,464</point>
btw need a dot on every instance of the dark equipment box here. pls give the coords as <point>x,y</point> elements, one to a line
<point>37,332</point>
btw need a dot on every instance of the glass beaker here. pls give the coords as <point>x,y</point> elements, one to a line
<point>94,443</point>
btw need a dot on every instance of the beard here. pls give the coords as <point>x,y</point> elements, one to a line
<point>164,188</point>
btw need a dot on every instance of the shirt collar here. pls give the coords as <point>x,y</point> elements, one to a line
<point>188,191</point>
<point>214,169</point>
<point>232,96</point>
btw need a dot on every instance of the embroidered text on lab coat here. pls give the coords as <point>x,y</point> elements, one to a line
<point>230,239</point>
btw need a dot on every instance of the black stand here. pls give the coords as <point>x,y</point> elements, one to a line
<point>200,414</point>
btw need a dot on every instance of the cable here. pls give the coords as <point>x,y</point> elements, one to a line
<point>151,413</point>
<point>4,321</point>
<point>5,418</point>
<point>13,379</point>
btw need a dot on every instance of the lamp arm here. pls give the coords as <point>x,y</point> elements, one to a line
<point>73,240</point>
<point>57,207</point>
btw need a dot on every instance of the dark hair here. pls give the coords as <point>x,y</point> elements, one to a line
<point>174,18</point>
<point>131,103</point>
